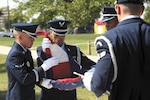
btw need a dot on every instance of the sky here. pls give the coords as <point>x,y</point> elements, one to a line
<point>10,2</point>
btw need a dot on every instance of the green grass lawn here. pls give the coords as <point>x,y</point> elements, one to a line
<point>75,39</point>
<point>82,93</point>
<point>80,40</point>
<point>3,77</point>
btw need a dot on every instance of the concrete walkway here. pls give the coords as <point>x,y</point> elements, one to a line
<point>4,50</point>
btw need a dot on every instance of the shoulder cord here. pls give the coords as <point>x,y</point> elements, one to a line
<point>41,58</point>
<point>111,50</point>
<point>78,55</point>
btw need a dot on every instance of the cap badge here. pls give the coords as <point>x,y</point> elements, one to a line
<point>61,24</point>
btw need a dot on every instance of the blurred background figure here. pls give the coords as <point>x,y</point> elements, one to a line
<point>109,16</point>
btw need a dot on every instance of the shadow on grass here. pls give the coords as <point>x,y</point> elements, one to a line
<point>2,95</point>
<point>2,68</point>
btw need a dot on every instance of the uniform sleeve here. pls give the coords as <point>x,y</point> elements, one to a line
<point>86,63</point>
<point>41,56</point>
<point>20,70</point>
<point>103,74</point>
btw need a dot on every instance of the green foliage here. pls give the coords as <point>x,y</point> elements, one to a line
<point>79,12</point>
<point>147,13</point>
<point>1,12</point>
<point>7,23</point>
<point>17,15</point>
<point>3,77</point>
<point>1,29</point>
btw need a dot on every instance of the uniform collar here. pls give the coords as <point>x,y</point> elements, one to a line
<point>129,17</point>
<point>25,49</point>
<point>63,46</point>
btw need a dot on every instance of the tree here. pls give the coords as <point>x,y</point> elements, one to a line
<point>16,16</point>
<point>1,13</point>
<point>147,13</point>
<point>79,12</point>
<point>84,12</point>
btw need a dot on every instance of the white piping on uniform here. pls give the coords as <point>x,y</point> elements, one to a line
<point>29,33</point>
<point>109,15</point>
<point>59,30</point>
<point>111,50</point>
<point>78,56</point>
<point>36,75</point>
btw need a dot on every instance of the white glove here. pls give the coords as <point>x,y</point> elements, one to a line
<point>46,83</point>
<point>46,43</point>
<point>87,78</point>
<point>49,63</point>
<point>58,52</point>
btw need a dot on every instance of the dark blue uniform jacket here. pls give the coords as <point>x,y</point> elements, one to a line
<point>131,44</point>
<point>56,94</point>
<point>21,78</point>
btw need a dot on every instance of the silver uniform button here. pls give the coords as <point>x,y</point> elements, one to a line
<point>28,63</point>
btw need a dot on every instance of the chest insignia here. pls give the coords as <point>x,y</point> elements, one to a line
<point>23,52</point>
<point>74,57</point>
<point>68,49</point>
<point>102,54</point>
<point>19,66</point>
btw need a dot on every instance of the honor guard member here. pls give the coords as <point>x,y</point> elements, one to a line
<point>78,62</point>
<point>109,16</point>
<point>123,66</point>
<point>20,68</point>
